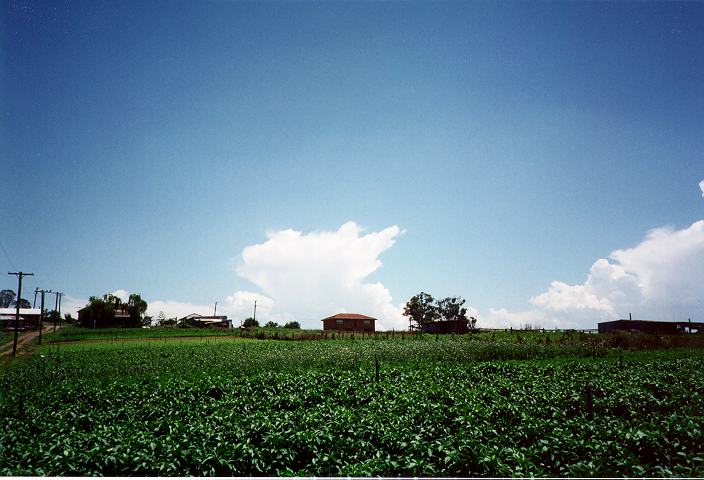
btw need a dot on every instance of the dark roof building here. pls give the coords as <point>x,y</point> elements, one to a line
<point>87,318</point>
<point>447,326</point>
<point>650,326</point>
<point>29,318</point>
<point>209,321</point>
<point>351,322</point>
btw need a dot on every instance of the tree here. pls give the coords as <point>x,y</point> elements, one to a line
<point>69,318</point>
<point>100,312</point>
<point>421,309</point>
<point>7,298</point>
<point>293,325</point>
<point>162,321</point>
<point>250,322</point>
<point>271,324</point>
<point>112,300</point>
<point>137,307</point>
<point>24,303</point>
<point>451,308</point>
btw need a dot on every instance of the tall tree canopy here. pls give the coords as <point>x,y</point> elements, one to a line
<point>101,312</point>
<point>450,308</point>
<point>7,298</point>
<point>421,309</point>
<point>24,303</point>
<point>250,322</point>
<point>136,308</point>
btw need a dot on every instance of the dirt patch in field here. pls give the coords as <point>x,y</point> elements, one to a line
<point>22,342</point>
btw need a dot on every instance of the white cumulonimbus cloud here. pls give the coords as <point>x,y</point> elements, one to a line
<point>660,278</point>
<point>309,276</point>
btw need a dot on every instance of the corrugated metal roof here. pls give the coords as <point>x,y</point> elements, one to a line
<point>23,311</point>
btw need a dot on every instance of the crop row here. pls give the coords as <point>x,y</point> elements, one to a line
<point>314,408</point>
<point>120,359</point>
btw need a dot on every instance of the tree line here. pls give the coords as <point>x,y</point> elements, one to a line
<point>7,300</point>
<point>251,322</point>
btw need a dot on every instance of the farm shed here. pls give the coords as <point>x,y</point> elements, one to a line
<point>650,326</point>
<point>447,326</point>
<point>87,319</point>
<point>29,318</point>
<point>206,321</point>
<point>349,322</point>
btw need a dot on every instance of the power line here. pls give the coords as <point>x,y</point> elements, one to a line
<point>7,256</point>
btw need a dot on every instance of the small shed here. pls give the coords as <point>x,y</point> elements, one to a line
<point>29,318</point>
<point>447,326</point>
<point>349,322</point>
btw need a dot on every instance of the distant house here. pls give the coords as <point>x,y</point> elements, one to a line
<point>206,321</point>
<point>650,326</point>
<point>351,322</point>
<point>88,319</point>
<point>29,318</point>
<point>447,326</point>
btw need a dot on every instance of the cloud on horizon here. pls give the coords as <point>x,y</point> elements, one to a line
<point>304,277</point>
<point>309,276</point>
<point>661,278</point>
<point>173,308</point>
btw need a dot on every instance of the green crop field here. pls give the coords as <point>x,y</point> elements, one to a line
<point>474,405</point>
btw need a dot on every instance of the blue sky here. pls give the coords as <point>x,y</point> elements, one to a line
<point>145,145</point>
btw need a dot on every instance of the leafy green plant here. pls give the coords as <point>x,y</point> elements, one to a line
<point>457,407</point>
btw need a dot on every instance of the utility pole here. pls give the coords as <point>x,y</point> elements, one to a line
<point>255,312</point>
<point>41,315</point>
<point>215,312</point>
<point>61,295</point>
<point>34,304</point>
<point>56,307</point>
<point>17,312</point>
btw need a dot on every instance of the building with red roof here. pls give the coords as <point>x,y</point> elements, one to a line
<point>349,322</point>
